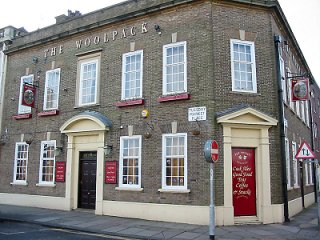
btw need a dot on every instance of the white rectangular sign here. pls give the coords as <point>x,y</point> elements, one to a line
<point>197,114</point>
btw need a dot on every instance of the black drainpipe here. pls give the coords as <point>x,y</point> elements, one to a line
<point>277,41</point>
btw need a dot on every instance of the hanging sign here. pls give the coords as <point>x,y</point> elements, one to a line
<point>305,152</point>
<point>111,172</point>
<point>300,89</point>
<point>60,171</point>
<point>28,95</point>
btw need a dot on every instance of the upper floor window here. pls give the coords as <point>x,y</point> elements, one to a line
<point>174,68</point>
<point>243,66</point>
<point>132,75</point>
<point>51,92</point>
<point>283,80</point>
<point>174,161</point>
<point>288,165</point>
<point>130,162</point>
<point>24,80</point>
<point>88,79</point>
<point>21,162</point>
<point>47,162</point>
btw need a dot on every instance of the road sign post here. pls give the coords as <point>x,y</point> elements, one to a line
<point>305,152</point>
<point>211,154</point>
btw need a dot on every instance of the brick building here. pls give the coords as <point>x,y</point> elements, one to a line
<point>127,96</point>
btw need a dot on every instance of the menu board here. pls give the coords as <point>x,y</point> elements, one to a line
<point>111,172</point>
<point>60,171</point>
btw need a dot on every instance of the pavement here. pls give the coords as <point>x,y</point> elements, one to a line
<point>302,226</point>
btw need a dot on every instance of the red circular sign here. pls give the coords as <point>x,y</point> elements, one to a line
<point>214,151</point>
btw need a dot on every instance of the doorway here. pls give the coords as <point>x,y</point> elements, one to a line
<point>87,180</point>
<point>244,182</point>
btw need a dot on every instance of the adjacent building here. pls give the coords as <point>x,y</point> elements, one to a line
<point>111,110</point>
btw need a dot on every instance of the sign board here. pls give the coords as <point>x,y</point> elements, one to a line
<point>300,89</point>
<point>60,171</point>
<point>305,152</point>
<point>111,172</point>
<point>214,151</point>
<point>28,95</point>
<point>197,114</point>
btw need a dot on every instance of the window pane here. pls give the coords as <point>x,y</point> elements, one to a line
<point>174,78</point>
<point>243,67</point>
<point>175,160</point>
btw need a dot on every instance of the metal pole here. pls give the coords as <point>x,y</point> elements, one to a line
<point>212,213</point>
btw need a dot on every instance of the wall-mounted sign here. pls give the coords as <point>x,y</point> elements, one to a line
<point>300,89</point>
<point>28,95</point>
<point>197,114</point>
<point>111,172</point>
<point>60,171</point>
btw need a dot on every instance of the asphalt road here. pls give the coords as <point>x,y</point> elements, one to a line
<point>24,231</point>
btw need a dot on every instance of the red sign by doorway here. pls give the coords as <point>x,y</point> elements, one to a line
<point>111,172</point>
<point>244,182</point>
<point>60,171</point>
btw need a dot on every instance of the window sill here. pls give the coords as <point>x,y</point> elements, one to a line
<point>22,116</point>
<point>289,188</point>
<point>174,190</point>
<point>46,185</point>
<point>167,98</point>
<point>126,103</point>
<point>296,186</point>
<point>87,105</point>
<point>19,183</point>
<point>245,93</point>
<point>48,113</point>
<point>129,189</point>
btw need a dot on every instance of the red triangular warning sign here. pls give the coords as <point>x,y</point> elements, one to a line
<point>305,152</point>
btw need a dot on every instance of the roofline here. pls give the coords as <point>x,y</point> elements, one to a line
<point>140,11</point>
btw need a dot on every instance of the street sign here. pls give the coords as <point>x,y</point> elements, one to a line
<point>305,152</point>
<point>214,151</point>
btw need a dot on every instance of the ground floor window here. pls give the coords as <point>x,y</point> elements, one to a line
<point>130,162</point>
<point>47,162</point>
<point>21,162</point>
<point>174,161</point>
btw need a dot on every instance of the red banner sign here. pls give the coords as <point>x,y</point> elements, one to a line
<point>244,184</point>
<point>28,95</point>
<point>60,171</point>
<point>300,89</point>
<point>111,172</point>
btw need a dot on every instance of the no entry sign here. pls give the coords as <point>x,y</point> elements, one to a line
<point>211,152</point>
<point>214,151</point>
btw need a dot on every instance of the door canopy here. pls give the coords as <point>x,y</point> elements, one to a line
<point>87,121</point>
<point>246,116</point>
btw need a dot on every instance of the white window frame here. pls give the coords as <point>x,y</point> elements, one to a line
<point>303,114</point>
<point>288,163</point>
<point>307,113</point>
<point>89,61</point>
<point>291,103</point>
<point>46,89</point>
<point>15,180</point>
<point>311,173</point>
<point>164,156</point>
<point>295,164</point>
<point>51,142</point>
<point>136,70</point>
<point>164,77</point>
<point>283,79</point>
<point>121,184</point>
<point>306,171</point>
<point>253,65</point>
<point>21,108</point>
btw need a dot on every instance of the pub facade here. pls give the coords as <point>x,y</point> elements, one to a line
<point>111,110</point>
